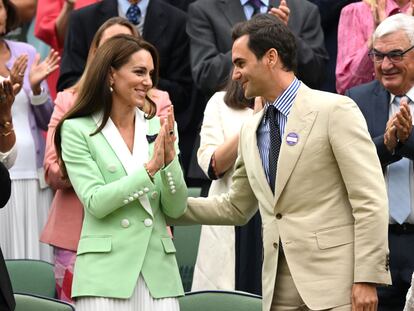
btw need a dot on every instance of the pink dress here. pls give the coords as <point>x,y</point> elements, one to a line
<point>356,25</point>
<point>64,224</point>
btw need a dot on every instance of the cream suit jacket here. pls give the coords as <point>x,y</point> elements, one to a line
<point>329,210</point>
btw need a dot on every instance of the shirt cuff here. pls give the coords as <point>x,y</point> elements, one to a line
<point>40,99</point>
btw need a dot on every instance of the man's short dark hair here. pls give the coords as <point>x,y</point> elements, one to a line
<point>266,31</point>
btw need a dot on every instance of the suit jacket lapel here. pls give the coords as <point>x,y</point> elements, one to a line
<point>107,9</point>
<point>232,10</point>
<point>300,122</point>
<point>155,23</point>
<point>379,114</point>
<point>257,161</point>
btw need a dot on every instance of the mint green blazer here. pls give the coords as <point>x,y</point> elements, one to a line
<point>124,229</point>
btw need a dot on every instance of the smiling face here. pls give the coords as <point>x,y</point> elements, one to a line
<point>250,72</point>
<point>133,80</point>
<point>397,77</point>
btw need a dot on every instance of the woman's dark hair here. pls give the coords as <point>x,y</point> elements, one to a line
<point>94,93</point>
<point>12,19</point>
<point>234,97</point>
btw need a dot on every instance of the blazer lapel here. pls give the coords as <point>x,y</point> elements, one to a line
<point>257,161</point>
<point>232,10</point>
<point>130,162</point>
<point>379,110</point>
<point>300,122</point>
<point>155,23</point>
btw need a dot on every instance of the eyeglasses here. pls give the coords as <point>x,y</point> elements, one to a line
<point>393,56</point>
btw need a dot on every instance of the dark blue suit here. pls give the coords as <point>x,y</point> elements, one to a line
<point>374,102</point>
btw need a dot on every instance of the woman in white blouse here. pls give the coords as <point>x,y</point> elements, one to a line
<point>239,262</point>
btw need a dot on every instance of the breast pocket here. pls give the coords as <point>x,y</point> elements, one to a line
<point>168,245</point>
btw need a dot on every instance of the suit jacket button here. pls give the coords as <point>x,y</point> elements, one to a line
<point>147,222</point>
<point>275,245</point>
<point>154,195</point>
<point>125,223</point>
<point>278,216</point>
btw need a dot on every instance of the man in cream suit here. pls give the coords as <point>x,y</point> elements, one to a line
<point>322,198</point>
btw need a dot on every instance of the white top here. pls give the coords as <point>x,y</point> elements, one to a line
<point>394,109</point>
<point>25,165</point>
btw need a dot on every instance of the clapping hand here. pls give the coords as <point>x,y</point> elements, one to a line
<point>390,136</point>
<point>403,121</point>
<point>164,151</point>
<point>170,138</point>
<point>7,92</point>
<point>282,12</point>
<point>17,71</point>
<point>41,70</point>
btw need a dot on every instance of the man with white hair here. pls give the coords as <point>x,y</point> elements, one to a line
<point>387,105</point>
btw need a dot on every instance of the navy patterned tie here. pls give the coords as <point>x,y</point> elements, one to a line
<point>255,4</point>
<point>275,142</point>
<point>134,14</point>
<point>399,197</point>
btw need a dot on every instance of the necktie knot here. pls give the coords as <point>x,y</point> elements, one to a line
<point>397,99</point>
<point>134,14</point>
<point>271,112</point>
<point>256,5</point>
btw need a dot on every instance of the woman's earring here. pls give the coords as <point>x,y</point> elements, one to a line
<point>111,88</point>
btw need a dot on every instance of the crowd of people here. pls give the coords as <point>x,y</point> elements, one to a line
<point>309,193</point>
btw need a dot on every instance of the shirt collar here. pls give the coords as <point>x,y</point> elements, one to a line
<point>393,8</point>
<point>284,101</point>
<point>123,6</point>
<point>264,2</point>
<point>409,94</point>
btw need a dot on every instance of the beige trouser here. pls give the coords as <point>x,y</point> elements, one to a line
<point>285,296</point>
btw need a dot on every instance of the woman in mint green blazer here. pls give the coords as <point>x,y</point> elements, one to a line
<point>123,165</point>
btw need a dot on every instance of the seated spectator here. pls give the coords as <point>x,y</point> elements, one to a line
<point>62,230</point>
<point>26,211</point>
<point>356,25</point>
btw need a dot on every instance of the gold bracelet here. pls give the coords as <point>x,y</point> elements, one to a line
<point>6,124</point>
<point>7,133</point>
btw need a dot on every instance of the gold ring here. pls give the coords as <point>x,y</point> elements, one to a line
<point>21,74</point>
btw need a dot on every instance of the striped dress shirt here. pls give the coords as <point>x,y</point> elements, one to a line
<point>283,104</point>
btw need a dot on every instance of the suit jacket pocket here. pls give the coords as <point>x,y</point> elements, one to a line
<point>95,244</point>
<point>168,245</point>
<point>334,237</point>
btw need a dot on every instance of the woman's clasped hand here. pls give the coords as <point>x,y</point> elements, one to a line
<point>164,150</point>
